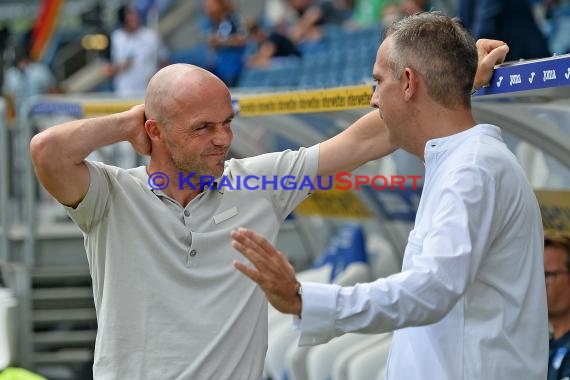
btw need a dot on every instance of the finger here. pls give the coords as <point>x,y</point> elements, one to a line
<point>261,249</point>
<point>488,44</point>
<point>251,273</point>
<point>254,256</point>
<point>497,55</point>
<point>245,242</point>
<point>263,246</point>
<point>242,247</point>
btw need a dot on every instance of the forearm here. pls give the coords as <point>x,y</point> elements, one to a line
<point>73,141</point>
<point>58,152</point>
<point>366,139</point>
<point>403,300</point>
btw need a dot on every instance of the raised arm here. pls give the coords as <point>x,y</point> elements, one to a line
<point>367,139</point>
<point>58,152</point>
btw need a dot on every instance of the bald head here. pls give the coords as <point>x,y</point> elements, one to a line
<point>177,88</point>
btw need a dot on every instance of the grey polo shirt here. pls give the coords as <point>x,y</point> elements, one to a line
<point>169,303</point>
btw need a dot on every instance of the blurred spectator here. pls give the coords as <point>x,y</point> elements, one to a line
<point>305,28</point>
<point>269,45</point>
<point>558,25</point>
<point>336,12</point>
<point>278,15</point>
<point>4,36</point>
<point>447,7</point>
<point>557,273</point>
<point>137,52</point>
<point>227,37</point>
<point>302,20</point>
<point>511,21</point>
<point>370,12</point>
<point>25,78</point>
<point>411,7</point>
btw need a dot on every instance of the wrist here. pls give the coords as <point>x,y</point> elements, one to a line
<point>477,88</point>
<point>300,297</point>
<point>128,129</point>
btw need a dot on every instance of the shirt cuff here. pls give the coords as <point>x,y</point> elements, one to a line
<point>318,314</point>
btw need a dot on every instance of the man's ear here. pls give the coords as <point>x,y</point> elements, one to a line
<point>153,131</point>
<point>410,83</point>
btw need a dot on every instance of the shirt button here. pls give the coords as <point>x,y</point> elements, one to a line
<point>193,252</point>
<point>186,212</point>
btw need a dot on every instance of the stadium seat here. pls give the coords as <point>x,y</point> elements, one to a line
<point>344,361</point>
<point>371,362</point>
<point>320,359</point>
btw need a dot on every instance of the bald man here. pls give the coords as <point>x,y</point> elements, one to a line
<point>169,303</point>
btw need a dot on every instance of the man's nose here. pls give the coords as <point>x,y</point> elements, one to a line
<point>374,99</point>
<point>223,135</point>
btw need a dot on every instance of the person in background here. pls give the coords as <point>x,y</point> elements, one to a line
<point>371,12</point>
<point>137,52</point>
<point>511,21</point>
<point>227,38</point>
<point>557,273</point>
<point>4,37</point>
<point>269,45</point>
<point>25,78</point>
<point>558,25</point>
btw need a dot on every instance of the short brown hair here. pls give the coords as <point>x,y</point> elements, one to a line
<point>441,50</point>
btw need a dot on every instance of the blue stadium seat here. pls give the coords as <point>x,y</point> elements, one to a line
<point>347,247</point>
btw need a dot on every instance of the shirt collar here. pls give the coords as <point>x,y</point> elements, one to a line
<point>141,173</point>
<point>443,144</point>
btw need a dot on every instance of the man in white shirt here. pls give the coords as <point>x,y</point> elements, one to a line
<point>137,52</point>
<point>470,301</point>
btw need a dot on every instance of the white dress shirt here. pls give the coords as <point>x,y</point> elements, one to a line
<point>145,50</point>
<point>470,301</point>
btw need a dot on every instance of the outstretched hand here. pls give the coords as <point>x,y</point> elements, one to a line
<point>489,53</point>
<point>272,271</point>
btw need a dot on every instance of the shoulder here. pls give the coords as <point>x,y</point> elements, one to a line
<point>118,33</point>
<point>275,162</point>
<point>485,149</point>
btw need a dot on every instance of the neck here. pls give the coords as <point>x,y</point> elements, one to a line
<point>441,122</point>
<point>560,325</point>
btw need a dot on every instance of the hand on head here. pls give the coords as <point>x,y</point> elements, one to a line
<point>138,137</point>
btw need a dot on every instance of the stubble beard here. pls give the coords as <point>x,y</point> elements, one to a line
<point>188,166</point>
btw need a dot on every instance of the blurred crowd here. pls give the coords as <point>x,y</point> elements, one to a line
<point>231,44</point>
